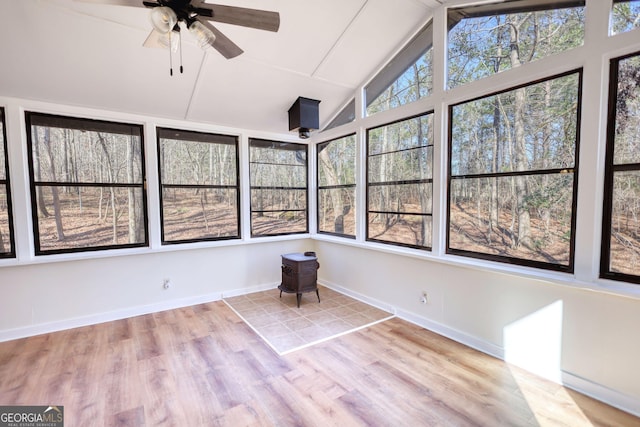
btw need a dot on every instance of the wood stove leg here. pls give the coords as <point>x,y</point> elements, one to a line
<point>281,294</point>
<point>318,294</point>
<point>298,297</point>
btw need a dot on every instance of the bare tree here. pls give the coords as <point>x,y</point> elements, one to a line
<point>114,224</point>
<point>524,218</point>
<point>54,189</point>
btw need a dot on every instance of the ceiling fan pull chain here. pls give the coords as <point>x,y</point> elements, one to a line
<point>170,56</point>
<point>180,39</point>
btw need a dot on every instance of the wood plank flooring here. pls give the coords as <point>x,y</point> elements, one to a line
<point>203,366</point>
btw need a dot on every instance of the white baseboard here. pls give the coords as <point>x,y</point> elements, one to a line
<point>599,392</point>
<point>360,297</point>
<point>574,382</point>
<point>94,319</point>
<point>249,290</point>
<point>454,334</point>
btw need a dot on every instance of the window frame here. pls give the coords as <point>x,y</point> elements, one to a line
<point>340,186</point>
<point>6,182</point>
<point>569,268</point>
<point>92,125</point>
<point>282,144</point>
<point>196,136</point>
<point>609,174</point>
<point>429,181</point>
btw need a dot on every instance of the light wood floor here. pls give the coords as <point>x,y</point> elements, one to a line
<point>202,366</point>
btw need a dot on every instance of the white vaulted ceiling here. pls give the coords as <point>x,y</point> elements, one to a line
<point>91,55</point>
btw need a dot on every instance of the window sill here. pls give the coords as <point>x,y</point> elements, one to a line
<point>621,289</point>
<point>153,249</point>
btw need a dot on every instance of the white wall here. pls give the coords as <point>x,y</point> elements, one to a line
<point>52,292</point>
<point>585,338</point>
<point>43,297</point>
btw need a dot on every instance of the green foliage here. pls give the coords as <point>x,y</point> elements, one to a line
<point>625,16</point>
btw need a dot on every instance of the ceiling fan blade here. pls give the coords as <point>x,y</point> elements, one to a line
<point>253,18</point>
<point>153,39</point>
<point>222,43</point>
<point>132,3</point>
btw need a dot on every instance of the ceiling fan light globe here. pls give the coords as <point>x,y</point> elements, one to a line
<point>163,19</point>
<point>203,35</point>
<point>169,41</point>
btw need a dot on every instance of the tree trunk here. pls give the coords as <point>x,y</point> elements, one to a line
<point>134,228</point>
<point>114,226</point>
<point>335,194</point>
<point>425,223</point>
<point>493,198</point>
<point>385,194</point>
<point>42,207</point>
<point>546,141</point>
<point>524,218</point>
<point>54,189</point>
<point>114,223</point>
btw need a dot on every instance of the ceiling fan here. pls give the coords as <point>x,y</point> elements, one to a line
<point>166,15</point>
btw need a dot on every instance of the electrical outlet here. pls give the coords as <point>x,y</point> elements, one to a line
<point>166,283</point>
<point>424,298</point>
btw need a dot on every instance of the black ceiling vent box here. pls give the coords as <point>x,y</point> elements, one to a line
<point>304,117</point>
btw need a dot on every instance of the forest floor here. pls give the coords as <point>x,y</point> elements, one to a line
<point>549,241</point>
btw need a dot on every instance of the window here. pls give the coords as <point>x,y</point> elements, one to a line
<point>87,184</point>
<point>490,38</point>
<point>407,78</point>
<point>7,244</point>
<point>278,175</point>
<point>513,174</point>
<point>399,183</point>
<point>620,258</point>
<point>199,186</point>
<point>337,186</point>
<point>625,16</point>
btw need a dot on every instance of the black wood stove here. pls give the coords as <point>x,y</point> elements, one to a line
<point>299,274</point>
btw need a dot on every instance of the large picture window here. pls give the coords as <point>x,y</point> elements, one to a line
<point>489,38</point>
<point>87,184</point>
<point>400,182</point>
<point>337,186</point>
<point>278,174</point>
<point>7,243</point>
<point>199,186</point>
<point>513,174</point>
<point>620,259</point>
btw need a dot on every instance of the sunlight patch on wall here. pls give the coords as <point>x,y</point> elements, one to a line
<point>535,342</point>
